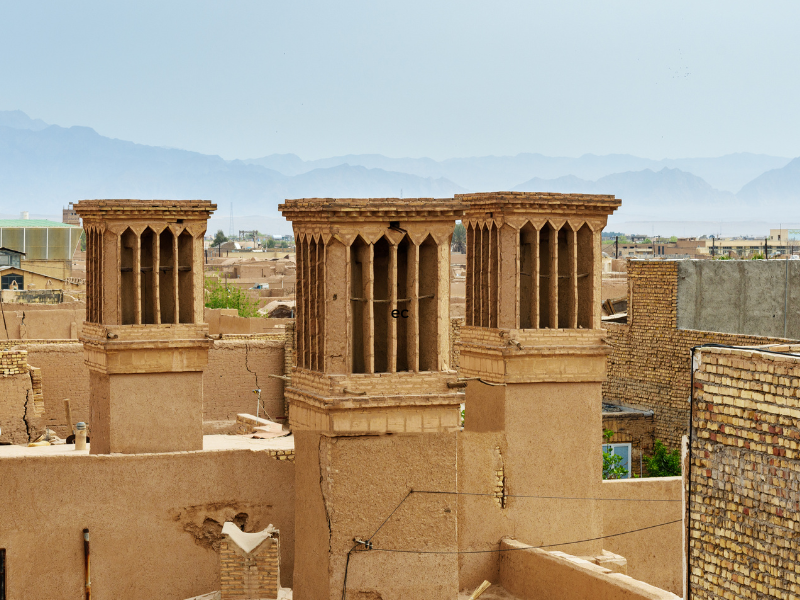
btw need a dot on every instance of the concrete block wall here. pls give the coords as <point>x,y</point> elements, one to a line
<point>744,494</point>
<point>649,363</point>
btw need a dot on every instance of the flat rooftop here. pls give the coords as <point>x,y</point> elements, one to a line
<point>211,443</point>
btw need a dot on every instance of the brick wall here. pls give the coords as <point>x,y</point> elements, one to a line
<point>744,496</point>
<point>635,429</point>
<point>250,576</point>
<point>649,363</point>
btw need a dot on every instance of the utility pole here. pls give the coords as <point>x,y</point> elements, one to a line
<point>713,246</point>
<point>766,248</point>
<point>616,246</point>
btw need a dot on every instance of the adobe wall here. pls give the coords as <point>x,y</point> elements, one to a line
<point>16,400</point>
<point>649,363</point>
<point>235,368</point>
<point>154,520</point>
<point>534,574</point>
<point>745,476</point>
<point>55,324</point>
<point>512,447</point>
<point>654,555</point>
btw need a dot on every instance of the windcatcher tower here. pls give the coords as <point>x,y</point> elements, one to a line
<point>533,330</point>
<point>369,403</point>
<point>144,337</point>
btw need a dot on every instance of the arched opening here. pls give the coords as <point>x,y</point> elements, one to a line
<point>185,277</point>
<point>167,276</point>
<point>586,302</point>
<point>127,294</point>
<point>546,276</point>
<point>381,304</point>
<point>428,305</point>
<point>360,294</point>
<point>528,277</point>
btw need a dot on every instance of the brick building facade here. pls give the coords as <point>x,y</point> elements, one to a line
<point>649,362</point>
<point>744,492</point>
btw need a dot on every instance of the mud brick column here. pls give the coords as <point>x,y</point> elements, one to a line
<point>369,402</point>
<point>534,403</point>
<point>144,330</point>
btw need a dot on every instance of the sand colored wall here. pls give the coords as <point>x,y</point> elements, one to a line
<point>155,412</point>
<point>649,363</point>
<point>363,480</point>
<point>16,407</point>
<point>745,475</point>
<point>235,368</point>
<point>520,431</point>
<point>153,520</point>
<point>533,574</point>
<point>30,324</point>
<point>655,555</point>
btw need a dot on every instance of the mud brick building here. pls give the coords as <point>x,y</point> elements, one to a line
<point>744,488</point>
<point>144,328</point>
<point>676,305</point>
<point>369,401</point>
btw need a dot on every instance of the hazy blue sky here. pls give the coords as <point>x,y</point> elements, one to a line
<point>412,78</point>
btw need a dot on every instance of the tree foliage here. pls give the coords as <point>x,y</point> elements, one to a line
<point>663,463</point>
<point>612,463</point>
<point>219,238</point>
<point>220,295</point>
<point>270,243</point>
<point>459,239</point>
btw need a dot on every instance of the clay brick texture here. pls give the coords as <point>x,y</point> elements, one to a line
<point>649,363</point>
<point>744,495</point>
<point>248,576</point>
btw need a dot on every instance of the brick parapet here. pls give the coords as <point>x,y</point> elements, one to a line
<point>13,362</point>
<point>744,495</point>
<point>649,362</point>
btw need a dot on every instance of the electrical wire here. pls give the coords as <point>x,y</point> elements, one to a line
<point>371,548</point>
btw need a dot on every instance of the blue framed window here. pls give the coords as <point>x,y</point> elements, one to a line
<point>623,450</point>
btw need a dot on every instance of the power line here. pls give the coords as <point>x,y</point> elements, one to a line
<point>368,547</point>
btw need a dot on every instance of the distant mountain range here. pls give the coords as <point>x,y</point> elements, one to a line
<point>43,167</point>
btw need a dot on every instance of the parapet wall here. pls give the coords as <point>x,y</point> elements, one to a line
<point>748,297</point>
<point>154,520</point>
<point>745,475</point>
<point>235,368</point>
<point>649,363</point>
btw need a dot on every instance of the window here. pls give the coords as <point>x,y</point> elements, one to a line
<point>5,260</point>
<point>6,282</point>
<point>623,450</point>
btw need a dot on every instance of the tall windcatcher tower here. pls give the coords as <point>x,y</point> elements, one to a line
<point>144,337</point>
<point>369,403</point>
<point>533,338</point>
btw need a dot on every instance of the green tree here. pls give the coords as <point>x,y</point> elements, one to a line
<point>612,463</point>
<point>673,239</point>
<point>647,241</point>
<point>663,463</point>
<point>459,239</point>
<point>270,243</point>
<point>221,295</point>
<point>623,239</point>
<point>219,238</point>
